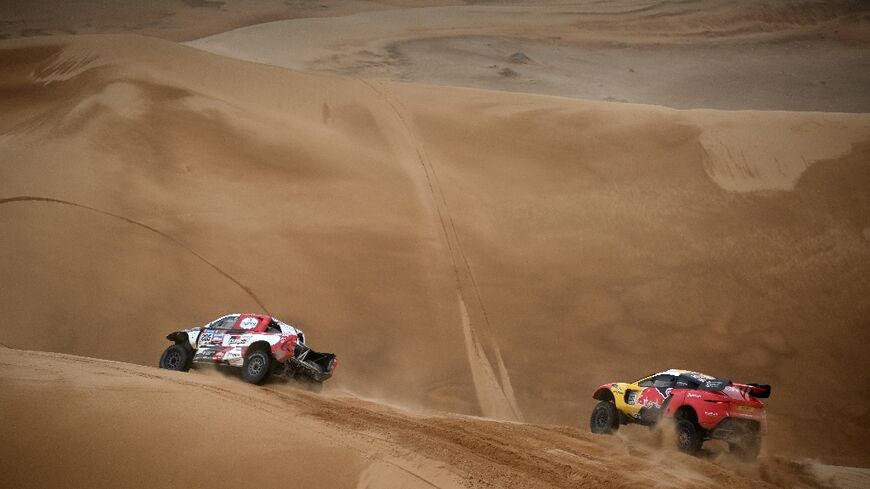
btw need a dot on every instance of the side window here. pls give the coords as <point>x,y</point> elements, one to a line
<point>664,381</point>
<point>686,382</point>
<point>224,323</point>
<point>273,328</point>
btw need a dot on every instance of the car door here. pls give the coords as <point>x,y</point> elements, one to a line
<point>236,340</point>
<point>210,345</point>
<point>628,402</point>
<point>656,390</point>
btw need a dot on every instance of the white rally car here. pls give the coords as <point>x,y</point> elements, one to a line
<point>261,345</point>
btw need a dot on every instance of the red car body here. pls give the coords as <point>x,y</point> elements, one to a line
<point>703,406</point>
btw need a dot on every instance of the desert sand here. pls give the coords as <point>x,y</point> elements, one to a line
<point>111,424</point>
<point>480,257</point>
<point>757,55</point>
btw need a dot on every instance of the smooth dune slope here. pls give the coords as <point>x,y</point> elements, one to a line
<point>78,421</point>
<point>462,250</point>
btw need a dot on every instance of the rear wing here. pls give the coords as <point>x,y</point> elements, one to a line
<point>758,391</point>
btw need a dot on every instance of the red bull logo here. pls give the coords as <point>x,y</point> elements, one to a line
<point>653,397</point>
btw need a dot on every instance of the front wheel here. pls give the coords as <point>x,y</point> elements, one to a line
<point>689,437</point>
<point>176,357</point>
<point>604,419</point>
<point>256,367</point>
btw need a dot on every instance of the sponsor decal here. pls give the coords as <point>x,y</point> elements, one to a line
<point>654,397</point>
<point>693,395</point>
<point>238,340</point>
<point>204,354</point>
<point>712,414</point>
<point>699,377</point>
<point>249,323</point>
<point>217,339</point>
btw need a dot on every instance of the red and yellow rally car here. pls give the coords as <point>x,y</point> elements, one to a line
<point>703,408</point>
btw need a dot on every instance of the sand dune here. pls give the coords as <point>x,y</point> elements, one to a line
<point>177,20</point>
<point>770,55</point>
<point>588,241</point>
<point>112,424</point>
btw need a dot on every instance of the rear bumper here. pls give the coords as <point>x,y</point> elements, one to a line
<point>713,414</point>
<point>311,370</point>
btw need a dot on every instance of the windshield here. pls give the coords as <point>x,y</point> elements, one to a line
<point>225,322</point>
<point>645,377</point>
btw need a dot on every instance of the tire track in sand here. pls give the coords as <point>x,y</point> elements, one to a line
<point>246,289</point>
<point>494,392</point>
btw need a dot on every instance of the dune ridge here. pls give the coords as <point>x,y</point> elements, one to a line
<point>598,241</point>
<point>128,423</point>
<point>480,258</point>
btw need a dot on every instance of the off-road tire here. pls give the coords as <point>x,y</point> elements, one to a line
<point>257,365</point>
<point>689,437</point>
<point>177,357</point>
<point>604,419</point>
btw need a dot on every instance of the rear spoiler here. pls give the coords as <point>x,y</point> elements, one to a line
<point>759,391</point>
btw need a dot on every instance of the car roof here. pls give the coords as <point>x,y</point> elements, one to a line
<point>273,318</point>
<point>677,371</point>
<point>692,373</point>
<point>245,314</point>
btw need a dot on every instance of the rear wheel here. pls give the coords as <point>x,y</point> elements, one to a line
<point>257,365</point>
<point>176,357</point>
<point>605,418</point>
<point>689,437</point>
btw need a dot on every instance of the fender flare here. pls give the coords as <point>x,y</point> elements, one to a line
<point>604,394</point>
<point>178,337</point>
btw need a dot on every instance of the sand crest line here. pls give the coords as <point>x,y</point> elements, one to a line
<point>246,289</point>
